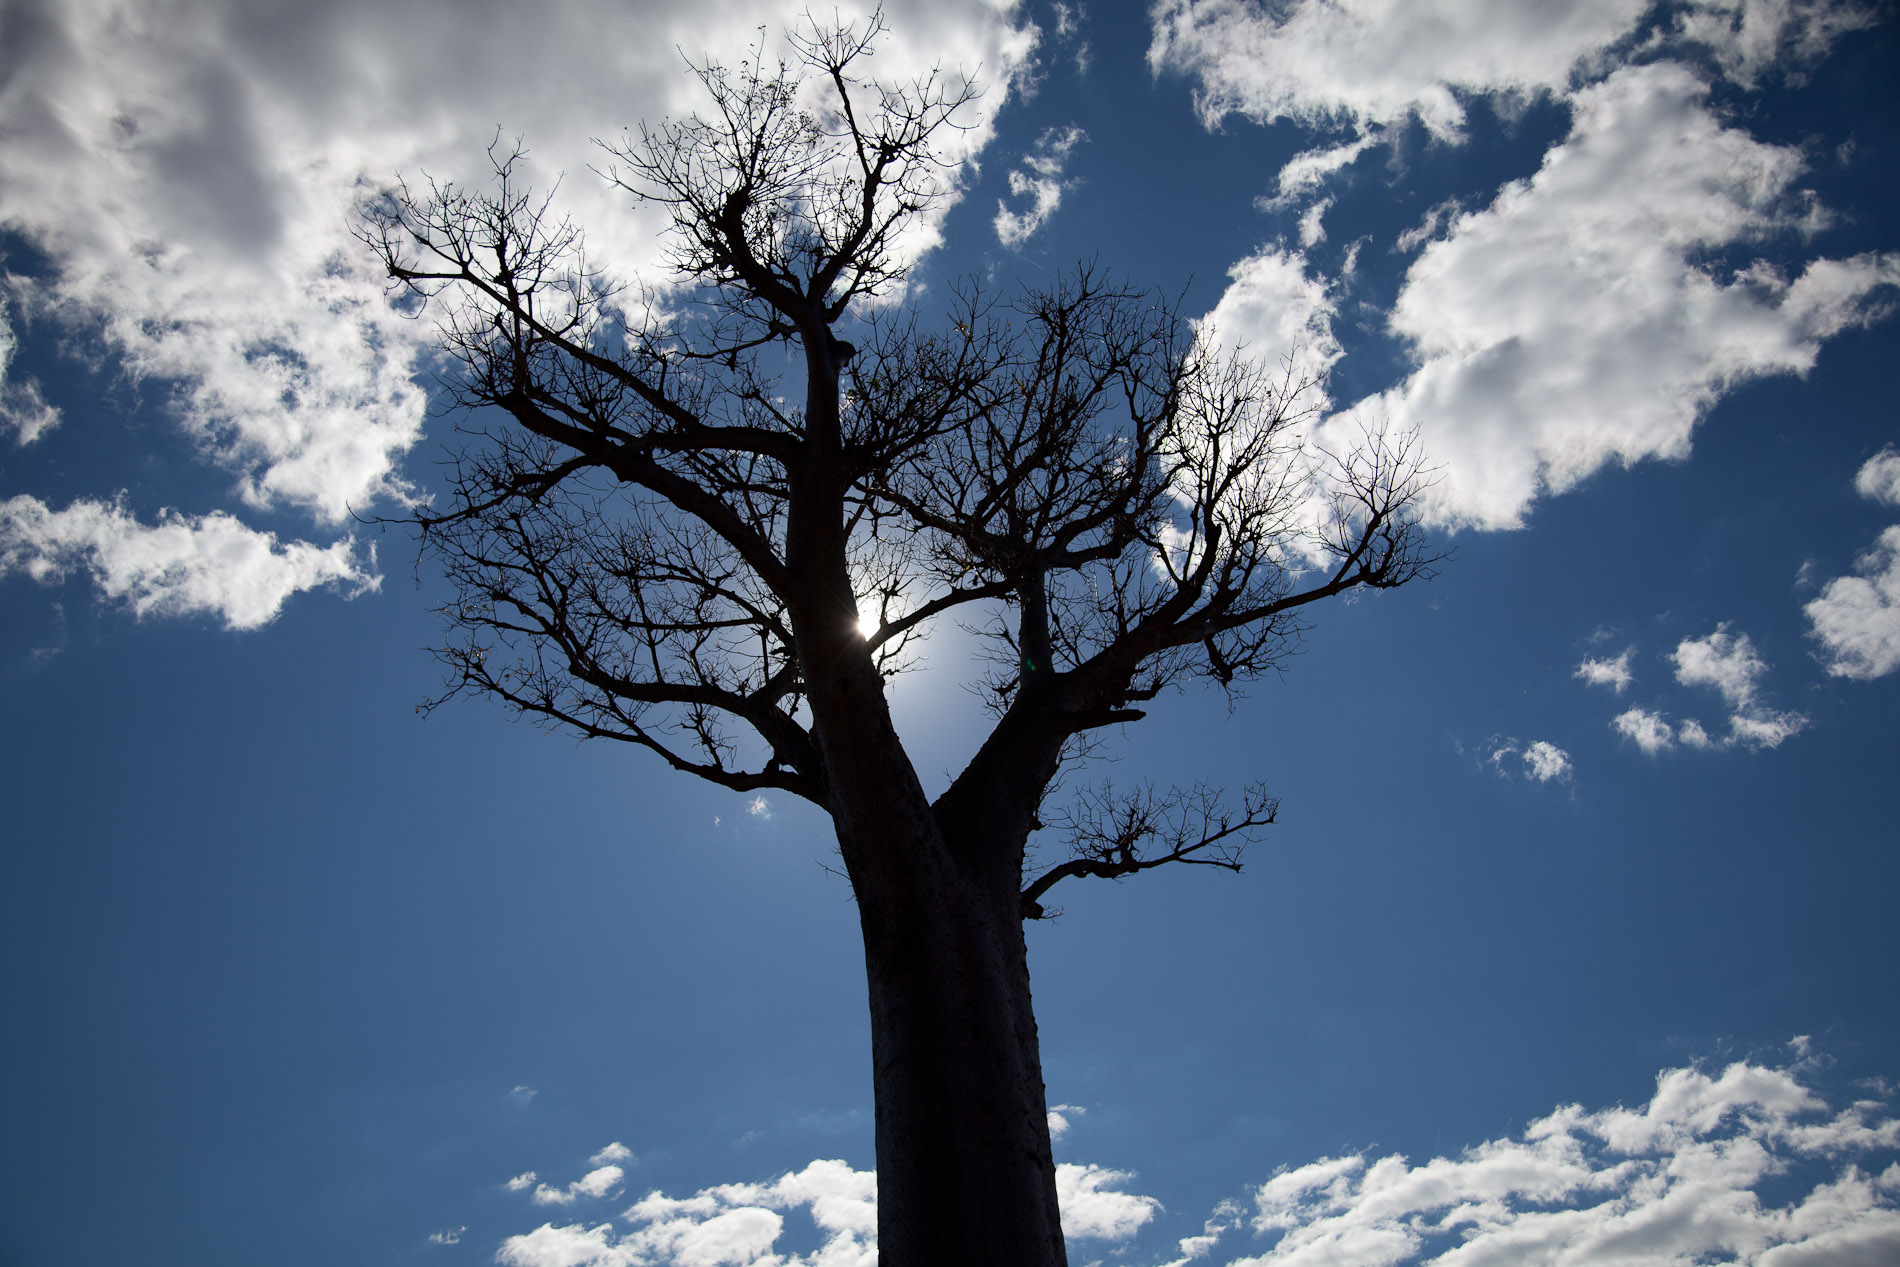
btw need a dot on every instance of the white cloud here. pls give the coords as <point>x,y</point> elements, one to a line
<point>1278,314</point>
<point>1375,61</point>
<point>1730,665</point>
<point>595,1183</point>
<point>740,1223</point>
<point>759,807</point>
<point>521,1182</point>
<point>1038,179</point>
<point>615,1151</point>
<point>450,1236</point>
<point>1676,1181</point>
<point>1728,662</point>
<point>1573,323</point>
<point>1750,36</point>
<point>1613,673</point>
<point>1747,1164</point>
<point>181,565</point>
<point>189,171</point>
<point>1091,1208</point>
<point>1545,761</point>
<point>1059,1118</point>
<point>1649,731</point>
<point>523,1094</point>
<point>1879,477</point>
<point>23,409</point>
<point>1541,760</point>
<point>1857,618</point>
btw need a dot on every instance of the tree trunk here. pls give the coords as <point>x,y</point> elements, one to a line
<point>964,1170</point>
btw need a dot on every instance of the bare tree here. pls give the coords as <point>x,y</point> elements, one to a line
<point>656,540</point>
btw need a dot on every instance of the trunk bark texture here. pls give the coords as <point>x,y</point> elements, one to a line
<point>965,1173</point>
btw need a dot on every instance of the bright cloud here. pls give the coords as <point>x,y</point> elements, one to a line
<point>740,1223</point>
<point>615,1151</point>
<point>1729,664</point>
<point>1856,618</point>
<point>1039,179</point>
<point>1682,1178</point>
<point>595,1183</point>
<point>1750,36</point>
<point>1574,322</point>
<point>1879,477</point>
<point>179,566</point>
<point>190,172</point>
<point>1374,61</point>
<point>1059,1118</point>
<point>1675,1181</point>
<point>1279,314</point>
<point>1613,673</point>
<point>1540,760</point>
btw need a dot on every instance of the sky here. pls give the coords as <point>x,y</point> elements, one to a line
<point>1575,940</point>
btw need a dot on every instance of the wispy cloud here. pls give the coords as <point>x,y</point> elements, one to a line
<point>1040,179</point>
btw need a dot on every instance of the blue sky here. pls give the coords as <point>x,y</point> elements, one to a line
<point>1602,817</point>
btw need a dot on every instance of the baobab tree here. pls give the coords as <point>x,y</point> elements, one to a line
<point>702,522</point>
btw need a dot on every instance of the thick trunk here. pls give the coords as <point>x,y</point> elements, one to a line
<point>964,1170</point>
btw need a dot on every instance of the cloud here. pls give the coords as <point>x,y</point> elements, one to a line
<point>1748,37</point>
<point>181,565</point>
<point>1649,731</point>
<point>1856,618</point>
<point>1092,1209</point>
<point>1614,673</point>
<point>740,1223</point>
<point>523,1094</point>
<point>759,807</point>
<point>1279,314</point>
<point>1373,62</point>
<point>1577,322</point>
<point>1730,665</point>
<point>615,1151</point>
<point>450,1236</point>
<point>23,410</point>
<point>1542,761</point>
<point>1879,477</point>
<point>1748,1163</point>
<point>189,173</point>
<point>521,1182</point>
<point>1681,1179</point>
<point>595,1183</point>
<point>1059,1118</point>
<point>1039,179</point>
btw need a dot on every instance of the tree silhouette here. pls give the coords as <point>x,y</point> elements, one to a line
<point>658,540</point>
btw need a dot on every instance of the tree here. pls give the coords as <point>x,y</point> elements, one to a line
<point>654,541</point>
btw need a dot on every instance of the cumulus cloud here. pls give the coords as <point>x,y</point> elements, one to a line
<point>1039,179</point>
<point>1879,477</point>
<point>1613,673</point>
<point>615,1151</point>
<point>1279,313</point>
<point>1729,664</point>
<point>595,1183</point>
<point>181,565</point>
<point>1685,1177</point>
<point>1584,318</point>
<point>189,172</point>
<point>1373,62</point>
<point>1856,618</point>
<point>740,1223</point>
<point>1539,761</point>
<point>1575,322</point>
<point>1677,1180</point>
